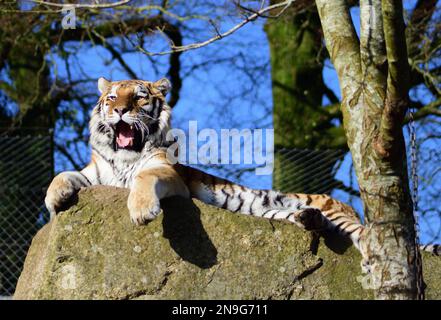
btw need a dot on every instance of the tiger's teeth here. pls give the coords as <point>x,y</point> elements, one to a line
<point>131,127</point>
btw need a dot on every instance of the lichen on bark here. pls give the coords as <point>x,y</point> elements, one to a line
<point>373,106</point>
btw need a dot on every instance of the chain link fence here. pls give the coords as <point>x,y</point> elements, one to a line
<point>332,172</point>
<point>309,171</point>
<point>26,169</point>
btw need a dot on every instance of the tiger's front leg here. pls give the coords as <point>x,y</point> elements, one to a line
<point>62,188</point>
<point>149,187</point>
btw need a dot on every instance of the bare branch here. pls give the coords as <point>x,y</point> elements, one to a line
<point>68,156</point>
<point>118,56</point>
<point>108,29</point>
<point>429,109</point>
<point>300,5</point>
<point>394,31</point>
<point>428,77</point>
<point>82,6</point>
<point>398,78</point>
<point>418,24</point>
<point>342,44</point>
<point>219,36</point>
<point>373,51</point>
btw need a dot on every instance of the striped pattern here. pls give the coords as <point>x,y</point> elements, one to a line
<point>435,249</point>
<point>311,212</point>
<point>151,177</point>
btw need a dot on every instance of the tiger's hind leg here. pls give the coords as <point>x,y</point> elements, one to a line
<point>334,216</point>
<point>310,219</point>
<point>310,212</point>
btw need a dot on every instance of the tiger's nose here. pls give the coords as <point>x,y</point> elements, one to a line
<point>121,110</point>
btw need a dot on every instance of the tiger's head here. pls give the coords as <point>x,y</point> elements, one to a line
<point>129,114</point>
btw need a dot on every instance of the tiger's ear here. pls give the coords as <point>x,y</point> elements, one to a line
<point>163,85</point>
<point>103,84</point>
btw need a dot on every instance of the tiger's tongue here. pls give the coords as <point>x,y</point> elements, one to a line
<point>125,135</point>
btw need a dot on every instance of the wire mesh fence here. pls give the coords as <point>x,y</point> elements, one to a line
<point>309,171</point>
<point>26,167</point>
<point>332,172</point>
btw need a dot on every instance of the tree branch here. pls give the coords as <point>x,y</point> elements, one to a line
<point>342,43</point>
<point>174,34</point>
<point>116,55</point>
<point>107,30</point>
<point>68,156</point>
<point>300,5</point>
<point>419,21</point>
<point>373,51</point>
<point>394,31</point>
<point>429,78</point>
<point>82,6</point>
<point>429,109</point>
<point>397,100</point>
<point>330,94</point>
<point>192,46</point>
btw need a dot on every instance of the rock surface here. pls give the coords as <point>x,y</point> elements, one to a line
<point>192,251</point>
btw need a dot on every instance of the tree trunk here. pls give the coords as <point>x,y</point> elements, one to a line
<point>373,75</point>
<point>298,88</point>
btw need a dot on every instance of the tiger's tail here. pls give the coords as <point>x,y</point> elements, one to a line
<point>314,212</point>
<point>310,212</point>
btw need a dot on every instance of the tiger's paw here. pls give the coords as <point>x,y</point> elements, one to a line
<point>366,267</point>
<point>142,207</point>
<point>310,219</point>
<point>58,195</point>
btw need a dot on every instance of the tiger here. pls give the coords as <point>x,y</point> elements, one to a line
<point>128,137</point>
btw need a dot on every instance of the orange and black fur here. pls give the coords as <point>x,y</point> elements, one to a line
<point>128,129</point>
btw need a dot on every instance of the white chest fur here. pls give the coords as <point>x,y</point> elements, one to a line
<point>119,172</point>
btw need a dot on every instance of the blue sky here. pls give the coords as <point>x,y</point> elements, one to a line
<point>205,93</point>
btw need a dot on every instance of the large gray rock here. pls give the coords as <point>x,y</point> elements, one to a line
<point>192,251</point>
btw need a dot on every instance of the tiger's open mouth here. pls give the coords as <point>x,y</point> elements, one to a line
<point>126,136</point>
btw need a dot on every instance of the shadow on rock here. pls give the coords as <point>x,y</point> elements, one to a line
<point>183,227</point>
<point>335,242</point>
<point>72,201</point>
